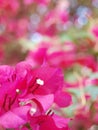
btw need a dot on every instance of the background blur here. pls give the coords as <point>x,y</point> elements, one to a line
<point>25,23</point>
<point>65,34</point>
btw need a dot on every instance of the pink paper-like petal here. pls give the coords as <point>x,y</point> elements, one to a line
<point>63,99</point>
<point>46,101</point>
<point>14,118</point>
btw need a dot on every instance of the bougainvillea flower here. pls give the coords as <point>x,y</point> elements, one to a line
<point>87,61</point>
<point>58,58</point>
<point>23,87</point>
<point>6,73</point>
<point>37,58</point>
<point>86,114</point>
<point>38,82</point>
<point>54,20</point>
<point>63,56</point>
<point>17,116</point>
<point>44,102</point>
<point>43,122</point>
<point>14,118</point>
<point>79,122</point>
<point>9,103</point>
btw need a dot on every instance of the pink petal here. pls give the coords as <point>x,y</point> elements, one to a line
<point>52,77</point>
<point>48,124</point>
<point>14,118</point>
<point>63,99</point>
<point>46,101</point>
<point>60,121</point>
<point>11,120</point>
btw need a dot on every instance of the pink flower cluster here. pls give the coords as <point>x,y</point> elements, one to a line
<point>16,21</point>
<point>63,55</point>
<point>27,97</point>
<point>86,114</point>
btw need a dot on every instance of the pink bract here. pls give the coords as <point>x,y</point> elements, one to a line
<point>25,90</point>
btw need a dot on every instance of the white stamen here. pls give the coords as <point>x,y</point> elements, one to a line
<point>22,103</point>
<point>32,111</point>
<point>17,90</point>
<point>40,82</point>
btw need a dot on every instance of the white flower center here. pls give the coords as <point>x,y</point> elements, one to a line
<point>40,82</point>
<point>22,103</point>
<point>32,111</point>
<point>17,90</point>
